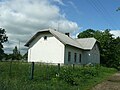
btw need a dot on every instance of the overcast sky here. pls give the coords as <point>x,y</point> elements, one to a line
<point>23,18</point>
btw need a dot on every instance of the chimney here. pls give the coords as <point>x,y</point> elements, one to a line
<point>68,34</point>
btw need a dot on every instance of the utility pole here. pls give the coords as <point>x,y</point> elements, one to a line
<point>58,24</point>
<point>19,46</point>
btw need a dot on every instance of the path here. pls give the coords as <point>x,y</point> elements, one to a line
<point>113,83</point>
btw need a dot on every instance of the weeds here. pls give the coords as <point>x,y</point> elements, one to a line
<point>47,77</point>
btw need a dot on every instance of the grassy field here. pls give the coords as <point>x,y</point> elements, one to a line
<point>16,76</point>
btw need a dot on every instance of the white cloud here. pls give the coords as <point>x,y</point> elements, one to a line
<point>116,33</point>
<point>59,1</point>
<point>64,26</point>
<point>23,18</point>
<point>75,7</point>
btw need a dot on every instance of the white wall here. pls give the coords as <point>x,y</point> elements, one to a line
<point>73,50</point>
<point>53,51</point>
<point>46,51</point>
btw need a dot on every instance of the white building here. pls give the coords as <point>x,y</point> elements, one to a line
<point>51,46</point>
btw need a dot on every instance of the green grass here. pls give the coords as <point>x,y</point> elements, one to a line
<point>47,77</point>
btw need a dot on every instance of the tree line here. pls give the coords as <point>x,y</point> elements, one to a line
<point>16,55</point>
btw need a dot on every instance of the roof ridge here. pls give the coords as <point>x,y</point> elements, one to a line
<point>66,37</point>
<point>86,38</point>
<point>84,43</point>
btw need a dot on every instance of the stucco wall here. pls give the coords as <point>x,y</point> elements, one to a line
<point>47,51</point>
<point>92,56</point>
<point>53,51</point>
<point>73,50</point>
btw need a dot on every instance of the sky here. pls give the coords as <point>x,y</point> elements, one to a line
<point>23,18</point>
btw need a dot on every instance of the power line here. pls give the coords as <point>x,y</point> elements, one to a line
<point>100,11</point>
<point>99,7</point>
<point>106,11</point>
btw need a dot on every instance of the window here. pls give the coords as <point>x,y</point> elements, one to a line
<point>69,56</point>
<point>45,37</point>
<point>75,57</point>
<point>95,47</point>
<point>79,58</point>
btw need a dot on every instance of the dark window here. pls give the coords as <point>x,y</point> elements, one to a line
<point>45,37</point>
<point>75,57</point>
<point>69,56</point>
<point>79,58</point>
<point>95,47</point>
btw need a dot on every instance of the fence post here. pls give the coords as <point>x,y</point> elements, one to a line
<point>58,67</point>
<point>32,71</point>
<point>73,66</point>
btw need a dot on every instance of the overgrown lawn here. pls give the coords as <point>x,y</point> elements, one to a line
<point>16,76</point>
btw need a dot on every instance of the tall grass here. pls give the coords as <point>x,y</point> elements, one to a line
<point>16,76</point>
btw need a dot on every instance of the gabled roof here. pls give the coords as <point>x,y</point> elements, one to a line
<point>66,39</point>
<point>84,43</point>
<point>87,43</point>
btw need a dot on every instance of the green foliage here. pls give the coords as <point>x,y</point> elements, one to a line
<point>118,9</point>
<point>87,33</point>
<point>1,53</point>
<point>25,56</point>
<point>110,46</point>
<point>47,77</point>
<point>3,38</point>
<point>67,74</point>
<point>16,54</point>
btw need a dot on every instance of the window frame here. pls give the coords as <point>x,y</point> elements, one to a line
<point>75,57</point>
<point>80,58</point>
<point>45,37</point>
<point>69,56</point>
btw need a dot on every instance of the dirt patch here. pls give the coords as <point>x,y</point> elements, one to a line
<point>113,83</point>
<point>115,78</point>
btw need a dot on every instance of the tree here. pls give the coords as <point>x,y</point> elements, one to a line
<point>116,47</point>
<point>16,54</point>
<point>86,34</point>
<point>25,56</point>
<point>3,38</point>
<point>110,53</point>
<point>118,9</point>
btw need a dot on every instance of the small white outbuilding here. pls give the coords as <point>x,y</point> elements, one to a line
<point>51,46</point>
